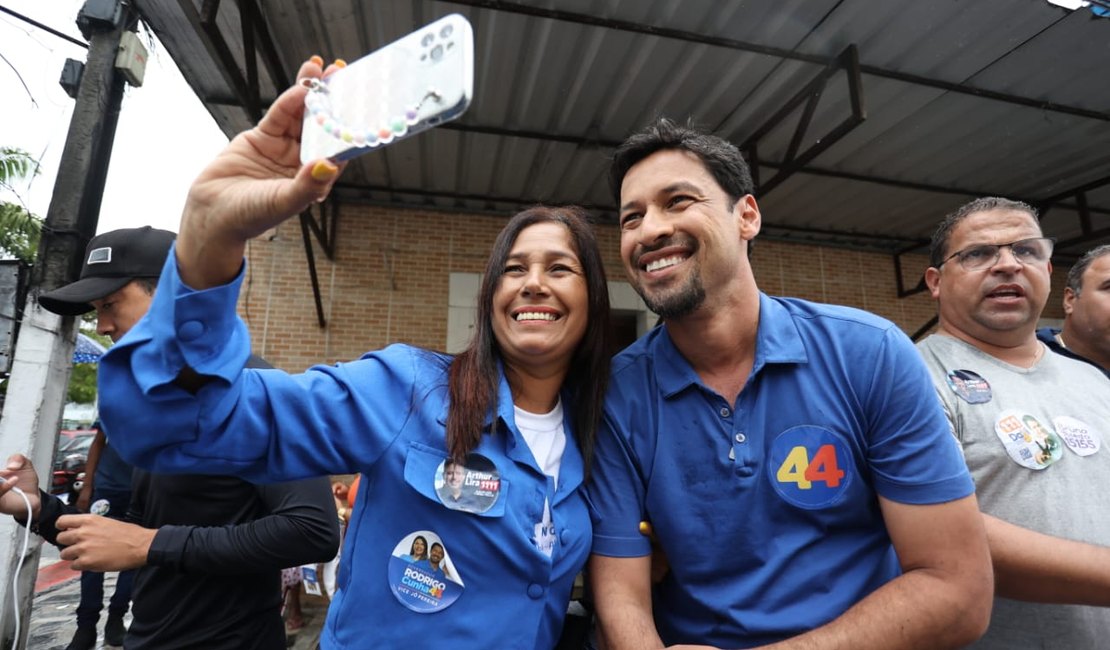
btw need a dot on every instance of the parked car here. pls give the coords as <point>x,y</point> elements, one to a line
<point>69,462</point>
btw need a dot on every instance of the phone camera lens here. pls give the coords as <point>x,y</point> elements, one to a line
<point>427,40</point>
<point>437,53</point>
<point>446,31</point>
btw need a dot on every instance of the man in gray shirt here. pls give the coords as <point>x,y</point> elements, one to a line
<point>1031,424</point>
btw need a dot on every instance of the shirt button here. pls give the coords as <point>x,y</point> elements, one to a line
<point>725,412</point>
<point>535,592</point>
<point>741,437</point>
<point>190,330</point>
<point>564,537</point>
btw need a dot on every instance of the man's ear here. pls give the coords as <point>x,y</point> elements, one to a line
<point>932,280</point>
<point>747,211</point>
<point>1069,300</point>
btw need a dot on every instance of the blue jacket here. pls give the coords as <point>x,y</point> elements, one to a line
<point>384,416</point>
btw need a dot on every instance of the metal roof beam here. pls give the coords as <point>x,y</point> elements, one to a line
<point>810,94</point>
<point>755,48</point>
<point>360,193</point>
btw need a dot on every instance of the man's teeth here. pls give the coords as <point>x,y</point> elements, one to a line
<point>663,263</point>
<point>535,315</point>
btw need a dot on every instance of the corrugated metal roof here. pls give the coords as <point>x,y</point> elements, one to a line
<point>559,81</point>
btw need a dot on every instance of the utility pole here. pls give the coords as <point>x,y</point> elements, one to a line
<point>43,355</point>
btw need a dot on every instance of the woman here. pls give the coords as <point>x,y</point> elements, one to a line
<point>418,551</point>
<point>517,409</point>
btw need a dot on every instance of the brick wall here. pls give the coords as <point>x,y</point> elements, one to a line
<point>389,282</point>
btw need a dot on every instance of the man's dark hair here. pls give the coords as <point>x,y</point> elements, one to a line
<point>719,156</point>
<point>147,284</point>
<point>1075,275</point>
<point>938,247</point>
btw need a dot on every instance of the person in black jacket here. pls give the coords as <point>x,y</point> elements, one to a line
<point>208,549</point>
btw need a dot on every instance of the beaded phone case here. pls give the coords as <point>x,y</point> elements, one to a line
<point>414,83</point>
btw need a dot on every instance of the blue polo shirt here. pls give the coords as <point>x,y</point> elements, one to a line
<point>767,508</point>
<point>383,415</point>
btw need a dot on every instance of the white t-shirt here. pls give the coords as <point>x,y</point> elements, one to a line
<point>546,438</point>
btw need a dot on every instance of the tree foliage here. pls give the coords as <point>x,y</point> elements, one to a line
<point>15,163</point>
<point>19,229</point>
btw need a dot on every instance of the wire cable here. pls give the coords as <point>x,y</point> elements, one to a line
<point>22,555</point>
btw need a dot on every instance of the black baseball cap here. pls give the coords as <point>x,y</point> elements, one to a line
<point>111,261</point>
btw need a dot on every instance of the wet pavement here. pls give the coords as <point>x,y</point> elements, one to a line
<point>58,590</point>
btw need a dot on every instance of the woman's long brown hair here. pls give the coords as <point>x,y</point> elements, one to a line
<point>474,374</point>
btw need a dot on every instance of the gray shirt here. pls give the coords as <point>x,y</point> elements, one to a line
<point>1027,436</point>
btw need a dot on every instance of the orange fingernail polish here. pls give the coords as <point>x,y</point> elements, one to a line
<point>324,170</point>
<point>317,59</point>
<point>340,63</point>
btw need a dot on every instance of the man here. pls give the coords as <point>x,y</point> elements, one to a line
<point>790,457</point>
<point>434,563</point>
<point>989,273</point>
<point>208,549</point>
<point>453,493</point>
<point>106,491</point>
<point>1086,333</point>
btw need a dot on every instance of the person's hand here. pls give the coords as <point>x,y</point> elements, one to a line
<point>256,183</point>
<point>340,492</point>
<point>84,496</point>
<point>96,543</point>
<point>19,472</point>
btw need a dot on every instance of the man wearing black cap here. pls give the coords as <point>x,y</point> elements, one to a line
<point>207,549</point>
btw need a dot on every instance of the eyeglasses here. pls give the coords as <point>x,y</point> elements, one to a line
<point>983,256</point>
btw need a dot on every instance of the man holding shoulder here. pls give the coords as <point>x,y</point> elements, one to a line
<point>790,457</point>
<point>1032,424</point>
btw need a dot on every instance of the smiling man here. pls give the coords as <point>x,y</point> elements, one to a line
<point>805,439</point>
<point>1031,424</point>
<point>1086,332</point>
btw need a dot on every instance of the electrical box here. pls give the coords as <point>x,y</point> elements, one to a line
<point>71,77</point>
<point>131,58</point>
<point>103,14</point>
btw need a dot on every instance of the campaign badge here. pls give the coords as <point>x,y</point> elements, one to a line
<point>100,507</point>
<point>1077,435</point>
<point>1027,441</point>
<point>422,575</point>
<point>810,467</point>
<point>969,386</point>
<point>473,485</point>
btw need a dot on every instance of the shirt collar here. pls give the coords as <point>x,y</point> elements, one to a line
<point>777,341</point>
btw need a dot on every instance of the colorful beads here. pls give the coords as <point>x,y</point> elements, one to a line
<point>318,106</point>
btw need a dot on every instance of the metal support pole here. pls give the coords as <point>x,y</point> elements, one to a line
<point>43,355</point>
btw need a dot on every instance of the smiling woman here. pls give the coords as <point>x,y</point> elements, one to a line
<point>459,450</point>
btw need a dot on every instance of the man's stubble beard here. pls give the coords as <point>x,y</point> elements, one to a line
<point>676,304</point>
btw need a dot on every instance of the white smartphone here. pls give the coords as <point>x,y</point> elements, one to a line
<point>414,83</point>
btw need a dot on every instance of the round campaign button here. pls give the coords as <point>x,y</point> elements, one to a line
<point>100,507</point>
<point>422,575</point>
<point>1028,442</point>
<point>810,467</point>
<point>969,386</point>
<point>473,485</point>
<point>1078,436</point>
